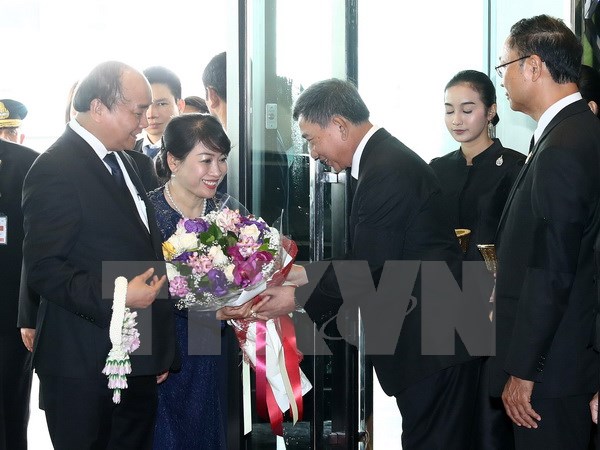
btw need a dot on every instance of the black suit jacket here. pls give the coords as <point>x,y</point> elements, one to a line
<point>15,161</point>
<point>76,218</point>
<point>396,215</point>
<point>545,293</point>
<point>145,168</point>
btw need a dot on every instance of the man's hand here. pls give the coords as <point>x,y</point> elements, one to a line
<point>517,402</point>
<point>28,336</point>
<point>594,408</point>
<point>275,301</point>
<point>140,293</point>
<point>297,275</point>
<point>162,377</point>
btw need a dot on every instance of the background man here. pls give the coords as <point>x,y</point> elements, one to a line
<point>396,214</point>
<point>15,371</point>
<point>84,204</point>
<point>545,283</point>
<point>214,79</point>
<point>195,104</point>
<point>12,114</point>
<point>166,103</point>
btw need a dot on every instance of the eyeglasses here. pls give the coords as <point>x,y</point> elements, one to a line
<point>502,67</point>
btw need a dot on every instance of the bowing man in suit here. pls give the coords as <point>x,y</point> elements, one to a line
<point>546,369</point>
<point>396,214</point>
<point>84,204</point>
<point>15,371</point>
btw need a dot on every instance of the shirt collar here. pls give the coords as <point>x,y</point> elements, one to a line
<point>88,137</point>
<point>148,143</point>
<point>359,151</point>
<point>551,112</point>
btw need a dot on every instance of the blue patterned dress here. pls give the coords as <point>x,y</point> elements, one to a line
<point>189,409</point>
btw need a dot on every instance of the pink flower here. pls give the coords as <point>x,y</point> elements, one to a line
<point>247,245</point>
<point>178,286</point>
<point>227,219</point>
<point>200,264</point>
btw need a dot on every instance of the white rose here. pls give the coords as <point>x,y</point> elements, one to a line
<point>185,242</point>
<point>250,230</point>
<point>172,271</point>
<point>228,270</point>
<point>217,256</point>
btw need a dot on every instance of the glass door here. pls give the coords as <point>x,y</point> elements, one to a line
<point>283,48</point>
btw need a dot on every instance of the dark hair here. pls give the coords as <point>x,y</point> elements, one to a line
<point>70,101</point>
<point>480,83</point>
<point>589,85</point>
<point>162,75</point>
<point>197,102</point>
<point>184,132</point>
<point>553,42</point>
<point>334,97</point>
<point>215,75</point>
<point>102,83</point>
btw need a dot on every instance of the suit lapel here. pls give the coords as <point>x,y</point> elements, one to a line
<point>574,108</point>
<point>97,169</point>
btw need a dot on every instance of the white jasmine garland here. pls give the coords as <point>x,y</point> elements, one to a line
<point>124,338</point>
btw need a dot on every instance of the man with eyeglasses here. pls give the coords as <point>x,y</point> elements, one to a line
<point>546,369</point>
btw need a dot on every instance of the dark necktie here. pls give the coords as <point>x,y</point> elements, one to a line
<point>531,144</point>
<point>150,151</point>
<point>116,171</point>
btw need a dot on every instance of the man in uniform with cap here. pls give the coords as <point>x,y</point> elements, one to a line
<point>12,114</point>
<point>15,370</point>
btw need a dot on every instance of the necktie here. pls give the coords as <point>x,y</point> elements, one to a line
<point>531,144</point>
<point>150,151</point>
<point>115,169</point>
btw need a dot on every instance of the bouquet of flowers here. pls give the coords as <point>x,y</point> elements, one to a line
<point>227,258</point>
<point>221,259</point>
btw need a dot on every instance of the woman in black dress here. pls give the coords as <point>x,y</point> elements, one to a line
<point>476,180</point>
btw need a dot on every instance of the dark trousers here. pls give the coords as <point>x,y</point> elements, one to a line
<point>493,427</point>
<point>81,415</point>
<point>438,412</point>
<point>566,424</point>
<point>15,390</point>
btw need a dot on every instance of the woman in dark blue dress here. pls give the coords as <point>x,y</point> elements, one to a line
<point>193,159</point>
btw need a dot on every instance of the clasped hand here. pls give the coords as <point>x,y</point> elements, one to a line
<point>274,301</point>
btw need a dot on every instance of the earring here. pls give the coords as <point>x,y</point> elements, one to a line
<point>491,130</point>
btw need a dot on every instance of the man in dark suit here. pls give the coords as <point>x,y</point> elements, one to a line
<point>15,371</point>
<point>166,103</point>
<point>84,205</point>
<point>546,368</point>
<point>396,215</point>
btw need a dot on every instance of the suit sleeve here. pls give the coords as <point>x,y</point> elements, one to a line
<point>52,220</point>
<point>563,201</point>
<point>29,302</point>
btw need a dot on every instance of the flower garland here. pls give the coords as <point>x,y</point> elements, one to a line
<point>125,339</point>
